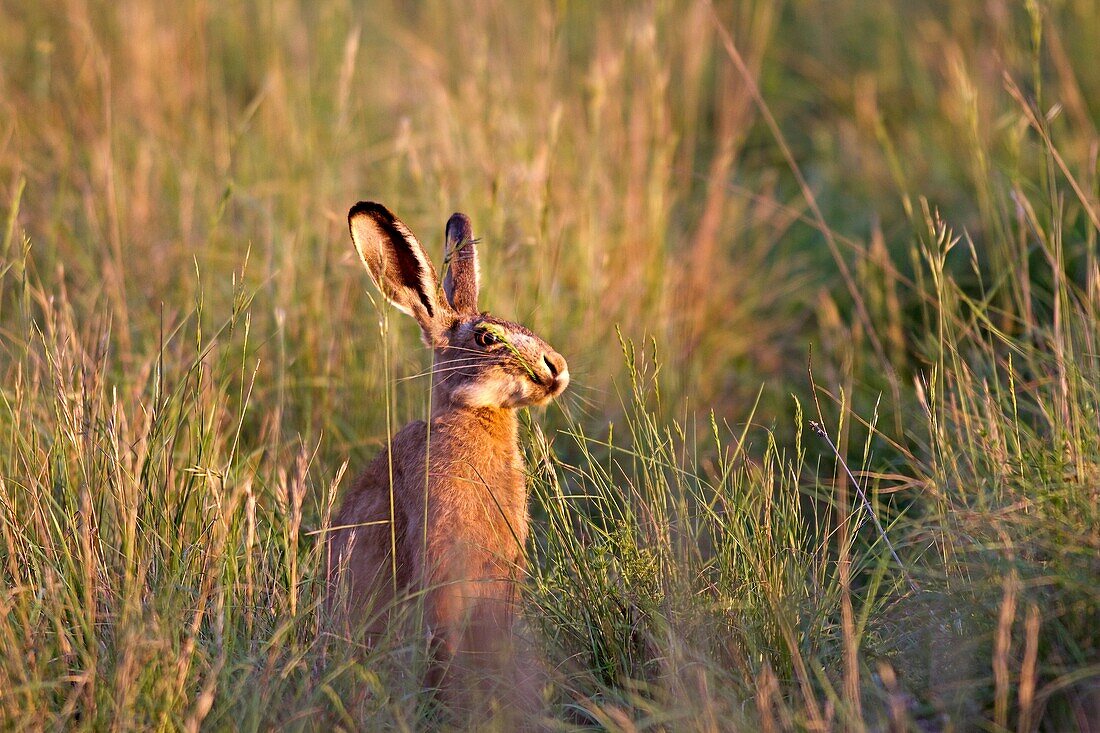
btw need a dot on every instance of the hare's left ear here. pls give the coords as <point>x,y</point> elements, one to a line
<point>461,276</point>
<point>399,266</point>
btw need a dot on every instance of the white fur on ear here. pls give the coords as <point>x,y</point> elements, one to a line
<point>397,263</point>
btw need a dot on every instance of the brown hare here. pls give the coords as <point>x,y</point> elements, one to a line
<point>454,488</point>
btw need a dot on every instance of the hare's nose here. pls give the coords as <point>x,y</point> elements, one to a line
<point>559,371</point>
<point>555,362</point>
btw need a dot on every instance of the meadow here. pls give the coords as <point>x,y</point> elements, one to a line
<point>826,275</point>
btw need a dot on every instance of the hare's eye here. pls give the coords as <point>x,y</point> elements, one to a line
<point>486,338</point>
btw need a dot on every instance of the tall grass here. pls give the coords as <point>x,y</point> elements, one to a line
<point>826,276</point>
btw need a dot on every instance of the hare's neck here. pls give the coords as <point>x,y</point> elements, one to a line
<point>494,431</point>
<point>477,473</point>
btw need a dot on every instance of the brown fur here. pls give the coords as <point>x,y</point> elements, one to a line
<point>459,523</point>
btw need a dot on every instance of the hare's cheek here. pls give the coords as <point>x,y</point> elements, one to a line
<point>473,395</point>
<point>486,393</point>
<point>517,391</point>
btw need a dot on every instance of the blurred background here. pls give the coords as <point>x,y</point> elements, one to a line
<point>613,160</point>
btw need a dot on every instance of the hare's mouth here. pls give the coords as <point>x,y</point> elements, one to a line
<point>552,386</point>
<point>559,383</point>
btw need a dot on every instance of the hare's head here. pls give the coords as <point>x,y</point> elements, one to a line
<point>479,361</point>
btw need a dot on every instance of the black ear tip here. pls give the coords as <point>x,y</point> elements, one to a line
<point>372,209</point>
<point>458,228</point>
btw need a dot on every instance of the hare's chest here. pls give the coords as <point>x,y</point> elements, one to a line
<point>486,499</point>
<point>478,489</point>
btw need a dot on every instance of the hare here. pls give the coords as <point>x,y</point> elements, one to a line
<point>453,488</point>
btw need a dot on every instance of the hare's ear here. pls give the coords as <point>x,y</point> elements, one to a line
<point>398,265</point>
<point>461,276</point>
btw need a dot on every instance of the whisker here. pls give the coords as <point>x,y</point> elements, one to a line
<point>574,385</point>
<point>467,349</point>
<point>444,380</point>
<point>441,370</point>
<point>582,399</point>
<point>451,367</point>
<point>567,408</point>
<point>467,358</point>
<point>454,363</point>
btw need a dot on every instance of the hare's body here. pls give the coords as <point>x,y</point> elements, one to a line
<point>442,514</point>
<point>464,544</point>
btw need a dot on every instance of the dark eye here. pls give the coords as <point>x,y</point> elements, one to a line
<point>486,338</point>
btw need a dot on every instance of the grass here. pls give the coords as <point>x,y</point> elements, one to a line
<point>826,276</point>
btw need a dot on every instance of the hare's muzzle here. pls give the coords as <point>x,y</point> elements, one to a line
<point>557,372</point>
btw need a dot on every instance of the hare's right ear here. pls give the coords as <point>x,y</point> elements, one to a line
<point>461,275</point>
<point>398,265</point>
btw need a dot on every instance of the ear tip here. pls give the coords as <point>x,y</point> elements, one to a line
<point>459,228</point>
<point>370,208</point>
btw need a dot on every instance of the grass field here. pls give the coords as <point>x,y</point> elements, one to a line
<point>826,275</point>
